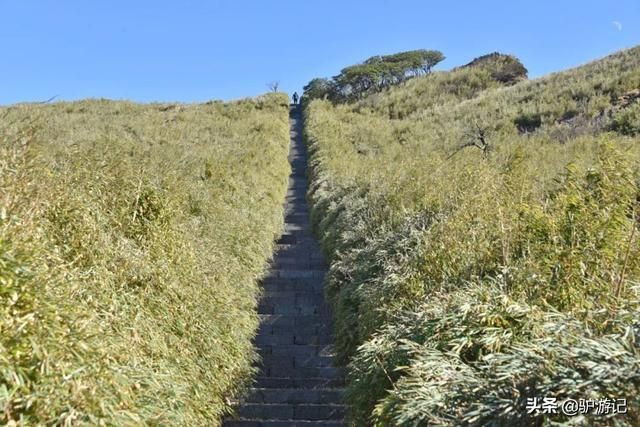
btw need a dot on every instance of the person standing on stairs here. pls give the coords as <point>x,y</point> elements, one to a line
<point>295,98</point>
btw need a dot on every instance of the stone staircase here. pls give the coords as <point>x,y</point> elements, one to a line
<point>297,384</point>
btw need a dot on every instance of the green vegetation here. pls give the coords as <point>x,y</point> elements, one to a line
<point>373,75</point>
<point>131,241</point>
<point>440,89</point>
<point>503,68</point>
<point>484,242</point>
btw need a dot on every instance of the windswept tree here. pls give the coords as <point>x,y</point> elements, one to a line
<point>415,62</point>
<point>359,79</point>
<point>318,88</point>
<point>375,74</point>
<point>430,59</point>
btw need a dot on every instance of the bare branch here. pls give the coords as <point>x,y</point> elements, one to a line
<point>477,138</point>
<point>48,100</point>
<point>460,148</point>
<point>273,86</point>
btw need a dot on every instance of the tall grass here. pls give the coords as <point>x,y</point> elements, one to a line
<point>131,241</point>
<point>466,280</point>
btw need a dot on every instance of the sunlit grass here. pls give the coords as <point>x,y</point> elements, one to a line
<point>131,241</point>
<point>465,279</point>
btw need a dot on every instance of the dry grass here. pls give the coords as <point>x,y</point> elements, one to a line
<point>465,279</point>
<point>131,241</point>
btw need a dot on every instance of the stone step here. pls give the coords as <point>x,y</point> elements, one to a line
<point>317,334</point>
<point>299,263</point>
<point>301,208</point>
<point>319,339</point>
<point>296,238</point>
<point>297,213</point>
<point>297,192</point>
<point>296,198</point>
<point>285,309</point>
<point>277,411</point>
<point>301,383</point>
<point>296,195</point>
<point>297,218</point>
<point>297,161</point>
<point>297,350</point>
<point>298,298</point>
<point>275,322</point>
<point>326,372</point>
<point>309,249</point>
<point>297,273</point>
<point>287,299</point>
<point>298,183</point>
<point>292,338</point>
<point>278,339</point>
<point>283,423</point>
<point>297,228</point>
<point>313,284</point>
<point>298,362</point>
<point>313,331</point>
<point>296,396</point>
<point>276,308</point>
<point>319,296</point>
<point>300,252</point>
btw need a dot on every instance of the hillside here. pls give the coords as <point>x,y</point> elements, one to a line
<point>131,241</point>
<point>484,246</point>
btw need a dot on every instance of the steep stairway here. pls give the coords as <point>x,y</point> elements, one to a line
<point>297,384</point>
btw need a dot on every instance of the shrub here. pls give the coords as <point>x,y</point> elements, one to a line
<point>506,69</point>
<point>627,121</point>
<point>528,122</point>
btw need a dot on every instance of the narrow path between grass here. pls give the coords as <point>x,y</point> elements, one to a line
<point>297,384</point>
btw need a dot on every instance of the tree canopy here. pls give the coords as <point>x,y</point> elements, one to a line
<point>374,74</point>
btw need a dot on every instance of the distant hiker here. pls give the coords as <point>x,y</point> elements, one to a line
<point>295,97</point>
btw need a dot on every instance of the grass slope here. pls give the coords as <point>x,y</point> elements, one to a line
<point>131,241</point>
<point>484,243</point>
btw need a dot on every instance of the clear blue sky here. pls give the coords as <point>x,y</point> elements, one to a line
<point>189,50</point>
